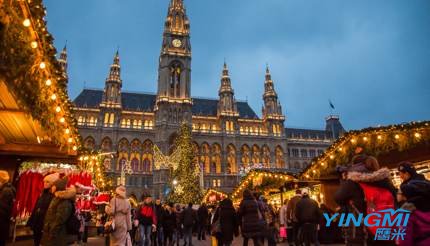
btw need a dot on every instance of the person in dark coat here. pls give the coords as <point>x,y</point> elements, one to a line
<point>188,219</point>
<point>327,234</point>
<point>59,211</point>
<point>407,172</point>
<point>292,222</point>
<point>308,215</point>
<point>229,223</point>
<point>7,196</point>
<point>202,219</point>
<point>169,224</point>
<point>178,233</point>
<point>158,234</point>
<point>251,220</point>
<point>350,196</point>
<point>417,193</point>
<point>37,218</point>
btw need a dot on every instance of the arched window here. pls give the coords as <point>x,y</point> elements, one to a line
<point>175,79</point>
<point>204,158</point>
<point>135,164</point>
<point>255,154</point>
<point>123,149</point>
<point>279,155</point>
<point>147,156</point>
<point>216,158</point>
<point>245,156</point>
<point>231,159</point>
<point>106,145</point>
<point>89,143</point>
<point>266,156</point>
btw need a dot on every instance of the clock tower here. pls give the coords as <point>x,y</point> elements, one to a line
<point>173,103</point>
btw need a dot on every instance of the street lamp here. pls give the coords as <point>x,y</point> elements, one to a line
<point>175,182</point>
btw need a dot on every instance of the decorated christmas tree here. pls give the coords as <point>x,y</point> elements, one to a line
<point>184,178</point>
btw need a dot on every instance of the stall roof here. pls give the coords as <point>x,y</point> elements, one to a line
<point>390,144</point>
<point>35,116</point>
<point>279,174</point>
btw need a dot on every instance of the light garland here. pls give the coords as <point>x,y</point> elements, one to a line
<point>373,141</point>
<point>46,70</point>
<point>280,176</point>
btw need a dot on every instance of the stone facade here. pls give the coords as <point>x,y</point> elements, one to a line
<point>228,135</point>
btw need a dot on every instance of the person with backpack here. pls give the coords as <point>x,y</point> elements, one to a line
<point>364,188</point>
<point>188,219</point>
<point>60,211</point>
<point>147,221</point>
<point>308,215</point>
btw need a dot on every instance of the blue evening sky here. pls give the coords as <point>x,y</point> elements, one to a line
<point>371,58</point>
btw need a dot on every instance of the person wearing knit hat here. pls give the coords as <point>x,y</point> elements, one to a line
<point>50,179</point>
<point>59,211</point>
<point>407,172</point>
<point>37,218</point>
<point>7,195</point>
<point>119,208</point>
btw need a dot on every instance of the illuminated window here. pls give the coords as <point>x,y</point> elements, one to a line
<point>111,119</point>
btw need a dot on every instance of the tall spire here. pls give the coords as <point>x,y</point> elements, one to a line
<point>269,89</point>
<point>227,103</point>
<point>113,84</point>
<point>115,70</point>
<point>63,60</point>
<point>177,21</point>
<point>272,106</point>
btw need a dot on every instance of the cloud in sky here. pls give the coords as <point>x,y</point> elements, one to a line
<point>371,58</point>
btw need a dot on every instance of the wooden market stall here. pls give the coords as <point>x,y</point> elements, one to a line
<point>389,144</point>
<point>37,128</point>
<point>213,196</point>
<point>272,182</point>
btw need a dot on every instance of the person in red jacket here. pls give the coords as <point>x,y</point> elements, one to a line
<point>147,220</point>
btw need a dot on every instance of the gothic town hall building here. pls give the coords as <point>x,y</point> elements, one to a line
<point>228,135</point>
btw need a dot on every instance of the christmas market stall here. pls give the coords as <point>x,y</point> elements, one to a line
<point>213,196</point>
<point>276,184</point>
<point>38,133</point>
<point>389,144</point>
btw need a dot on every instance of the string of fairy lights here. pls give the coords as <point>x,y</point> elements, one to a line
<point>373,141</point>
<point>247,180</point>
<point>58,101</point>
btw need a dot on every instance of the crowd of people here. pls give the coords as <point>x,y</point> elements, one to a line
<point>364,188</point>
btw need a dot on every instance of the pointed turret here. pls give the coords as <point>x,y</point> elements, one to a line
<point>227,103</point>
<point>177,21</point>
<point>113,84</point>
<point>272,110</point>
<point>63,61</point>
<point>272,107</point>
